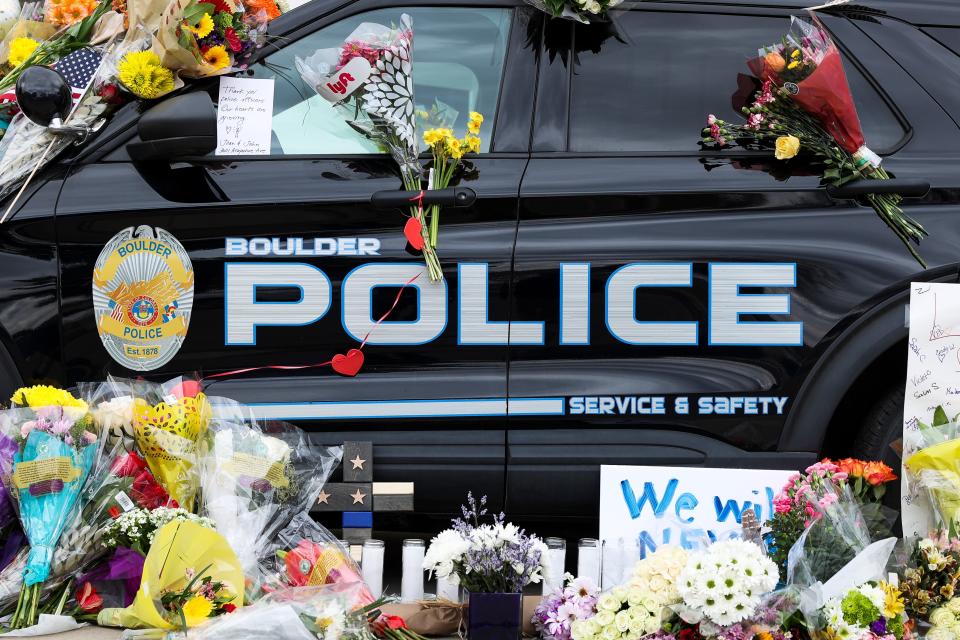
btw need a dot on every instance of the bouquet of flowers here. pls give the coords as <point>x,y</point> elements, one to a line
<point>725,583</point>
<point>370,80</point>
<point>622,613</point>
<point>305,554</point>
<point>57,445</point>
<point>933,574</point>
<point>805,104</point>
<point>870,611</point>
<point>935,467</point>
<point>200,39</point>
<point>447,153</point>
<point>798,503</point>
<point>946,621</point>
<point>168,434</point>
<point>122,482</point>
<point>113,583</point>
<point>573,602</point>
<point>327,612</point>
<point>138,529</point>
<point>658,573</point>
<point>253,482</point>
<point>10,532</point>
<point>190,574</point>
<point>486,558</point>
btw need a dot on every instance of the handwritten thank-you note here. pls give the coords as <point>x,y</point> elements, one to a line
<point>933,379</point>
<point>244,116</point>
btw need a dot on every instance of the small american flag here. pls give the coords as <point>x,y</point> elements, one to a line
<point>78,68</point>
<point>117,311</point>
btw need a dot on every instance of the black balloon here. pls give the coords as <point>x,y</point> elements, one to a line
<point>43,94</point>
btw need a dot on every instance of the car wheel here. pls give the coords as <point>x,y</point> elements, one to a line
<point>881,427</point>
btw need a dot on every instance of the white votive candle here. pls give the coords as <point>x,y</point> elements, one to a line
<point>588,559</point>
<point>371,566</point>
<point>411,585</point>
<point>447,589</point>
<point>555,562</point>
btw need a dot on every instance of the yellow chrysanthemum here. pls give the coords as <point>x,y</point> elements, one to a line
<point>203,28</point>
<point>142,73</point>
<point>45,396</point>
<point>892,601</point>
<point>196,610</point>
<point>217,57</point>
<point>476,120</point>
<point>794,64</point>
<point>21,49</point>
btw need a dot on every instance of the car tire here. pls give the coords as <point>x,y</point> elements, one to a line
<point>882,426</point>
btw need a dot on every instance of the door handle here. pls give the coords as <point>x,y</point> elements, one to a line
<point>905,187</point>
<point>450,197</point>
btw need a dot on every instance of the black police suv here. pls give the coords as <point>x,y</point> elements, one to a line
<point>614,294</point>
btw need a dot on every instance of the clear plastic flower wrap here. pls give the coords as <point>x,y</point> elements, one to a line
<point>57,446</point>
<point>328,612</point>
<point>933,466</point>
<point>306,554</point>
<point>256,477</point>
<point>120,482</point>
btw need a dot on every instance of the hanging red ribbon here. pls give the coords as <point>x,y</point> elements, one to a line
<point>348,364</point>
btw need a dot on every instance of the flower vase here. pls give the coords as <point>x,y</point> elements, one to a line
<point>494,616</point>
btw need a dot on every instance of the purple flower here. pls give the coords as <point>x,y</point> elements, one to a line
<point>879,627</point>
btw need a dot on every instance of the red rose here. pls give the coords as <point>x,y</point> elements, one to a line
<point>148,493</point>
<point>128,465</point>
<point>88,599</point>
<point>394,622</point>
<point>114,512</point>
<point>230,35</point>
<point>229,607</point>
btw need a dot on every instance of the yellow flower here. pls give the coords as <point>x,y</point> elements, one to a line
<point>217,56</point>
<point>892,601</point>
<point>794,64</point>
<point>143,75</point>
<point>476,120</point>
<point>432,137</point>
<point>796,54</point>
<point>21,49</point>
<point>456,149</point>
<point>45,396</point>
<point>196,610</point>
<point>204,26</point>
<point>471,144</point>
<point>787,147</point>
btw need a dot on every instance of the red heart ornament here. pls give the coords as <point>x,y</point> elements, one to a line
<point>413,232</point>
<point>348,365</point>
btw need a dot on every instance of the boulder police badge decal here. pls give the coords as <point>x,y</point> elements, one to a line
<point>142,297</point>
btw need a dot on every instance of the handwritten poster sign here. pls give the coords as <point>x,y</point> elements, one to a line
<point>933,378</point>
<point>244,116</point>
<point>682,506</point>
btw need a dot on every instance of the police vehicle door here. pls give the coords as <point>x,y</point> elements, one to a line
<point>294,266</point>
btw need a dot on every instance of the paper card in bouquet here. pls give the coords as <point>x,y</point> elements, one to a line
<point>342,83</point>
<point>244,116</point>
<point>933,380</point>
<point>646,507</point>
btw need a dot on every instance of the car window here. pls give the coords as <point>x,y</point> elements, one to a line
<point>458,55</point>
<point>647,82</point>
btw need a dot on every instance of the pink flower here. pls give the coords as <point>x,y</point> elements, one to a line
<point>90,438</point>
<point>61,427</point>
<point>26,428</point>
<point>711,119</point>
<point>68,440</point>
<point>827,500</point>
<point>782,505</point>
<point>755,121</point>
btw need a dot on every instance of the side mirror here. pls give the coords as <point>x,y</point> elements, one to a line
<point>185,125</point>
<point>44,97</point>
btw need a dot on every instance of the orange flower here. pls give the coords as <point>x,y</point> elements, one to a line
<point>268,7</point>
<point>775,62</point>
<point>877,473</point>
<point>852,467</point>
<point>67,12</point>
